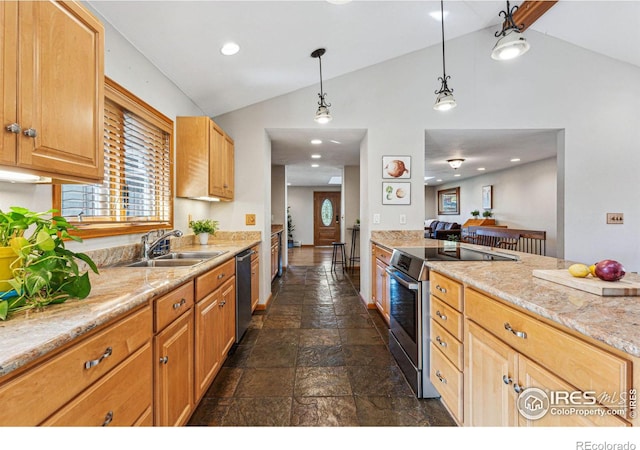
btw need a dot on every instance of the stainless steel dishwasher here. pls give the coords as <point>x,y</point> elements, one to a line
<point>243,292</point>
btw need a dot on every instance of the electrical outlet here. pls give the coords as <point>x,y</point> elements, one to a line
<point>376,218</point>
<point>250,219</point>
<point>615,218</point>
<point>403,219</point>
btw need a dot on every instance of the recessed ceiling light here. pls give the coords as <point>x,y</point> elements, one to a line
<point>339,2</point>
<point>229,49</point>
<point>288,184</point>
<point>515,159</point>
<point>335,142</point>
<point>457,175</point>
<point>316,141</point>
<point>428,178</point>
<point>435,15</point>
<point>438,181</point>
<point>481,168</point>
<point>315,165</point>
<point>316,156</point>
<point>335,180</point>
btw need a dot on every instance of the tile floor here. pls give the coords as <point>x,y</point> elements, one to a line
<point>316,357</point>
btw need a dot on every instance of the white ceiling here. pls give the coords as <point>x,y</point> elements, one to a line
<point>277,38</point>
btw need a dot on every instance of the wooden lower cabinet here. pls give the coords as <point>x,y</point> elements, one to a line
<point>228,307</point>
<point>173,374</point>
<point>380,258</point>
<point>255,278</point>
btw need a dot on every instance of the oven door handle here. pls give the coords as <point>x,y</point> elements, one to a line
<point>402,279</point>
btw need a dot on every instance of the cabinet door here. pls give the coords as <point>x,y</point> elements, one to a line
<point>531,374</point>
<point>174,372</point>
<point>228,306</point>
<point>228,168</point>
<point>8,79</point>
<point>216,161</point>
<point>209,325</point>
<point>374,277</point>
<point>382,294</point>
<point>490,371</point>
<point>255,284</point>
<point>61,96</point>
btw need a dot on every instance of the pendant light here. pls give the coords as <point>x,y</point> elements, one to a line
<point>444,100</point>
<point>322,115</point>
<point>511,43</point>
<point>455,163</point>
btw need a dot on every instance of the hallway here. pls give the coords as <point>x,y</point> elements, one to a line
<point>316,357</point>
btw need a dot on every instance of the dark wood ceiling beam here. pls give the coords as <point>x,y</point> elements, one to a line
<point>530,11</point>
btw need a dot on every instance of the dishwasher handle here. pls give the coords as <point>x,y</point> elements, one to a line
<point>402,279</point>
<point>242,257</point>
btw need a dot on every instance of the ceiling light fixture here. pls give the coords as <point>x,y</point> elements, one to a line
<point>481,168</point>
<point>514,159</point>
<point>444,100</point>
<point>339,2</point>
<point>455,163</point>
<point>316,156</point>
<point>316,141</point>
<point>315,165</point>
<point>322,115</point>
<point>511,43</point>
<point>230,48</point>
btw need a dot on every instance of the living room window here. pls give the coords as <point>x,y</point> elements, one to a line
<point>137,192</point>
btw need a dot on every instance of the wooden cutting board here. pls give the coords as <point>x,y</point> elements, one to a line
<point>620,288</point>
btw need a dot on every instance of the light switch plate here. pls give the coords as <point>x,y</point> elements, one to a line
<point>403,219</point>
<point>250,219</point>
<point>376,218</point>
<point>615,218</point>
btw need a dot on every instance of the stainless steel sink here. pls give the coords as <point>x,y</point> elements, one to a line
<point>190,255</point>
<point>166,263</point>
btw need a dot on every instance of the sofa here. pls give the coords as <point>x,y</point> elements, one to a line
<point>438,229</point>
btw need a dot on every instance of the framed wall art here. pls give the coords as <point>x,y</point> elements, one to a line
<point>396,193</point>
<point>396,167</point>
<point>487,197</point>
<point>449,201</point>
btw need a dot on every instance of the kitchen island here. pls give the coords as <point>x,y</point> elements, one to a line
<point>605,325</point>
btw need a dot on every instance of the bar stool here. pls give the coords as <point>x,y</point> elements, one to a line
<point>339,255</point>
<point>354,236</point>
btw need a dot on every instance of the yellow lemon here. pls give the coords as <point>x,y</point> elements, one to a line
<point>592,269</point>
<point>579,270</point>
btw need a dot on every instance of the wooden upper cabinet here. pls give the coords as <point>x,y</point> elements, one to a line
<point>204,159</point>
<point>53,90</point>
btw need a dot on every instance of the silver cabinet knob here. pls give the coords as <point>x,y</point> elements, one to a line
<point>164,360</point>
<point>30,132</point>
<point>13,128</point>
<point>506,379</point>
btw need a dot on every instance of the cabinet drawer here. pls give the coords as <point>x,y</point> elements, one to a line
<point>171,306</point>
<point>448,381</point>
<point>69,372</point>
<point>447,317</point>
<point>256,254</point>
<point>274,240</point>
<point>212,280</point>
<point>583,365</point>
<point>447,290</point>
<point>382,254</point>
<point>448,345</point>
<point>119,399</point>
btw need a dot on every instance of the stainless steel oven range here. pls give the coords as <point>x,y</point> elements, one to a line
<point>409,306</point>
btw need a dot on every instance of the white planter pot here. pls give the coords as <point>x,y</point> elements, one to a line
<point>204,238</point>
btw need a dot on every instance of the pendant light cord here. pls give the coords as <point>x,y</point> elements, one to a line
<point>321,90</point>
<point>444,70</point>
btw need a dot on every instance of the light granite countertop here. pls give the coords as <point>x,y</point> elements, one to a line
<point>116,290</point>
<point>611,320</point>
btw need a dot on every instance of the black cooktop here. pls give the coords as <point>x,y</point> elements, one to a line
<point>453,251</point>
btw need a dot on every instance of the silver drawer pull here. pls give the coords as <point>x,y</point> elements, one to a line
<point>441,289</point>
<point>520,334</point>
<point>441,342</point>
<point>179,304</point>
<point>506,379</point>
<point>221,276</point>
<point>13,128</point>
<point>95,362</point>
<point>517,388</point>
<point>107,419</point>
<point>222,303</point>
<point>440,377</point>
<point>30,132</point>
<point>442,316</point>
<point>164,360</point>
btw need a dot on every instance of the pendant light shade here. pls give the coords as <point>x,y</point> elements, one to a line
<point>444,100</point>
<point>323,115</point>
<point>511,43</point>
<point>455,163</point>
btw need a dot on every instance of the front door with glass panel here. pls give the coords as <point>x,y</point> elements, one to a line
<point>326,218</point>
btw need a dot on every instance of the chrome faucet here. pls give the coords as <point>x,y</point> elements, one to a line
<point>147,247</point>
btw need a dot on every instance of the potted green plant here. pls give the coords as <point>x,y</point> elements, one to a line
<point>475,213</point>
<point>203,228</point>
<point>41,270</point>
<point>487,213</point>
